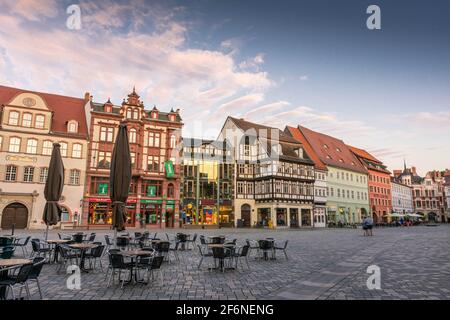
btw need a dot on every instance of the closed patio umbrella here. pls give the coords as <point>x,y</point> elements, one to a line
<point>53,189</point>
<point>120,179</point>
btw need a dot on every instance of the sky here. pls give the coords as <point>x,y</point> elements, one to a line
<point>313,63</point>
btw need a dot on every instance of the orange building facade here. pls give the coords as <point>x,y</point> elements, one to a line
<point>379,183</point>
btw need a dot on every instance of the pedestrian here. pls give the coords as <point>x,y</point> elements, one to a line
<point>367,226</point>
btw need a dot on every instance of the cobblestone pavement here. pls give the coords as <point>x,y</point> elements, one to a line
<point>323,264</point>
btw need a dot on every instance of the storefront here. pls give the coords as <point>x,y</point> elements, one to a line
<point>100,212</point>
<point>208,214</point>
<point>151,211</point>
<point>293,218</point>
<point>170,213</point>
<point>263,217</point>
<point>226,215</point>
<point>281,217</point>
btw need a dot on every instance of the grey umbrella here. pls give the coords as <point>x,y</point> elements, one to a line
<point>53,189</point>
<point>120,179</point>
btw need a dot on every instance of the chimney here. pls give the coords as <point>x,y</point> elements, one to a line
<point>397,173</point>
<point>87,97</point>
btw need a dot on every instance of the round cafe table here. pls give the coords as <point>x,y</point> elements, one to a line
<point>6,263</point>
<point>82,247</point>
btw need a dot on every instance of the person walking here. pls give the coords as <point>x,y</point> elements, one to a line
<point>367,226</point>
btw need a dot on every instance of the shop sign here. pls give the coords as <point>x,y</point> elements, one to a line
<point>170,201</point>
<point>150,201</point>
<point>151,191</point>
<point>169,168</point>
<point>102,188</point>
<point>170,206</point>
<point>99,200</point>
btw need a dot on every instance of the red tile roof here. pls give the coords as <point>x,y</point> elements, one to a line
<point>331,151</point>
<point>363,154</point>
<point>297,134</point>
<point>64,108</point>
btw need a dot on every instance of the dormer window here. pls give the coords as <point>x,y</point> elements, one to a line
<point>341,160</point>
<point>329,157</point>
<point>325,146</point>
<point>353,163</point>
<point>338,150</point>
<point>72,126</point>
<point>172,117</point>
<point>108,108</point>
<point>299,152</point>
<point>154,113</point>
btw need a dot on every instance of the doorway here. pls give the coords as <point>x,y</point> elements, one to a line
<point>17,214</point>
<point>246,215</point>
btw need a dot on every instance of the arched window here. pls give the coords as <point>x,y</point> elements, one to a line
<point>63,149</point>
<point>76,150</point>
<point>136,114</point>
<point>39,121</point>
<point>170,191</point>
<point>129,115</point>
<point>47,148</point>
<point>14,144</point>
<point>32,146</point>
<point>173,141</point>
<point>27,119</point>
<point>13,118</point>
<point>133,135</point>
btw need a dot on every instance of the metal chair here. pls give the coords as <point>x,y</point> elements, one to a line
<point>155,265</point>
<point>66,255</point>
<point>282,248</point>
<point>118,264</point>
<point>22,243</point>
<point>242,253</point>
<point>7,252</point>
<point>39,248</point>
<point>202,255</point>
<point>19,280</point>
<point>192,241</point>
<point>95,255</point>
<point>38,263</point>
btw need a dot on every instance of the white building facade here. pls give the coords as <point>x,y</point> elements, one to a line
<point>30,123</point>
<point>402,198</point>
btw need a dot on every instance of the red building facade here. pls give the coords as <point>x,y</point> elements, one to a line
<point>155,144</point>
<point>379,183</point>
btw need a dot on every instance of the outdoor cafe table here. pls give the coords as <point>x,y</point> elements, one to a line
<point>55,243</point>
<point>223,246</point>
<point>82,247</point>
<point>6,263</point>
<point>134,254</point>
<point>272,247</point>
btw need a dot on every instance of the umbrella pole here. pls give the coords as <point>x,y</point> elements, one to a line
<point>115,238</point>
<point>46,234</point>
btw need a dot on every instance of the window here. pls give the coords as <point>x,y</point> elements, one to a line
<point>170,191</point>
<point>1,142</point>
<point>106,134</point>
<point>74,177</point>
<point>173,141</point>
<point>136,114</point>
<point>153,163</point>
<point>129,115</point>
<point>14,144</point>
<point>132,135</point>
<point>152,188</point>
<point>32,146</point>
<point>154,139</point>
<point>43,174</point>
<point>11,173</point>
<point>338,150</point>
<point>47,148</point>
<point>63,149</point>
<point>13,118</point>
<point>72,127</point>
<point>39,121</point>
<point>104,160</point>
<point>240,187</point>
<point>28,174</point>
<point>133,159</point>
<point>76,150</point>
<point>27,119</point>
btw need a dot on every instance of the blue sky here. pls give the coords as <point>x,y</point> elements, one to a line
<point>312,63</point>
